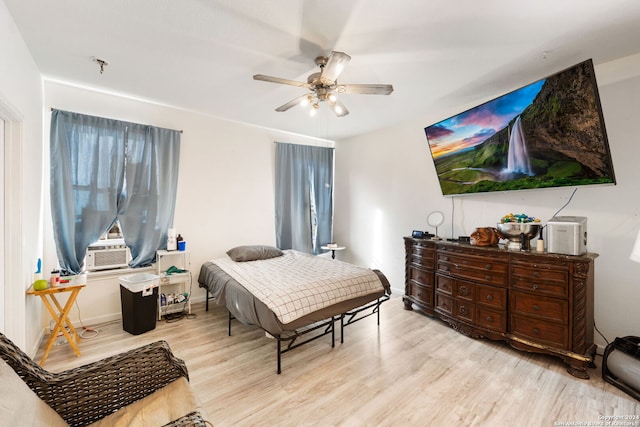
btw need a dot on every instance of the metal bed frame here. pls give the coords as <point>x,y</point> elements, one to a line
<point>347,318</point>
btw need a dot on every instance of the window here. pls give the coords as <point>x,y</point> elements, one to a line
<point>104,172</point>
<point>304,197</point>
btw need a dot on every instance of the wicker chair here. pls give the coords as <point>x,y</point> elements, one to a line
<point>91,392</point>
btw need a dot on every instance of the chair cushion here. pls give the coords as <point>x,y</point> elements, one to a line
<point>159,408</point>
<point>20,406</point>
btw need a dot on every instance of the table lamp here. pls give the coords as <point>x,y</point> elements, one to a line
<point>635,253</point>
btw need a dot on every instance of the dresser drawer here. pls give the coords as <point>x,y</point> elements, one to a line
<point>444,304</point>
<point>541,279</point>
<point>423,249</point>
<point>491,296</point>
<point>482,254</point>
<point>423,254</point>
<point>481,263</point>
<point>553,309</point>
<point>422,294</point>
<point>478,275</point>
<point>540,331</point>
<point>464,310</point>
<point>491,319</point>
<point>463,290</point>
<point>424,262</point>
<point>485,271</point>
<point>421,276</point>
<point>444,284</point>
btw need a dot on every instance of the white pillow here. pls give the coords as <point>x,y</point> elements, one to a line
<point>20,406</point>
<point>171,402</point>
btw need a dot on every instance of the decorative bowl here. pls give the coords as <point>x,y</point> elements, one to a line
<point>519,234</point>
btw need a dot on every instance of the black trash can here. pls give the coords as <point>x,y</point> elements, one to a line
<point>139,300</point>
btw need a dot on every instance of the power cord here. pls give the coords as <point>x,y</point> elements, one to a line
<point>453,214</point>
<point>568,201</point>
<point>174,317</point>
<point>600,333</point>
<point>92,333</point>
<point>558,211</point>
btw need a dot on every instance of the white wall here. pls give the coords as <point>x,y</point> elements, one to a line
<point>21,108</point>
<point>387,185</point>
<point>225,185</point>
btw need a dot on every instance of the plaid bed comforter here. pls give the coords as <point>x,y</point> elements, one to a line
<point>297,284</point>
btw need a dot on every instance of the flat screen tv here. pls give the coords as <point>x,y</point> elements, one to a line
<point>547,134</point>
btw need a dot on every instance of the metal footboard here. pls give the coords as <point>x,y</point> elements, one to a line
<point>328,326</point>
<point>355,315</point>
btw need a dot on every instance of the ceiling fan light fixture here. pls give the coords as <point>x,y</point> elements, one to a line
<point>324,85</point>
<point>314,109</point>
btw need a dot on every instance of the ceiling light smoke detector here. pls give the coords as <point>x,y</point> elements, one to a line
<point>101,63</point>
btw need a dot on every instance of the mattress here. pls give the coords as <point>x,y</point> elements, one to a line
<point>286,293</point>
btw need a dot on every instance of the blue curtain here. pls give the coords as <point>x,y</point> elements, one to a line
<point>304,197</point>
<point>103,171</point>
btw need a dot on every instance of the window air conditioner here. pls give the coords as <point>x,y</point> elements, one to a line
<point>107,254</point>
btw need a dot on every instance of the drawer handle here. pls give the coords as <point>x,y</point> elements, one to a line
<point>536,331</point>
<point>536,274</point>
<point>536,307</point>
<point>488,266</point>
<point>489,297</point>
<point>535,287</point>
<point>464,291</point>
<point>446,258</point>
<point>487,278</point>
<point>463,310</point>
<point>489,319</point>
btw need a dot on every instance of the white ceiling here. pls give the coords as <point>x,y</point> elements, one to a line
<point>439,54</point>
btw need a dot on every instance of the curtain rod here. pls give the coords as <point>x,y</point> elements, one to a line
<point>308,145</point>
<point>52,109</point>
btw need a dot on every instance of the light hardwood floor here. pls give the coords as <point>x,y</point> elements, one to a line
<point>411,370</point>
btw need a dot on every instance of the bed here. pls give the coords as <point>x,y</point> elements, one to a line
<point>293,296</point>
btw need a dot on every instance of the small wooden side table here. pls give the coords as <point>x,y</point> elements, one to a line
<point>60,314</point>
<point>333,249</point>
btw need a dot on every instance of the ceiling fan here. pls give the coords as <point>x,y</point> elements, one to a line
<point>324,85</point>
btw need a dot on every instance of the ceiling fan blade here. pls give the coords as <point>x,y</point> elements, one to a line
<point>296,101</point>
<point>280,80</point>
<point>337,107</point>
<point>365,89</point>
<point>334,66</point>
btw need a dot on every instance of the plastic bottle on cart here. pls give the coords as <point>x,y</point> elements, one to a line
<point>180,243</point>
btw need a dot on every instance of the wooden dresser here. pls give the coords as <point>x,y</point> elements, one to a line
<point>420,267</point>
<point>537,302</point>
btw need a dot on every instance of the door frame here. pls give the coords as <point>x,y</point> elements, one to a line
<point>12,275</point>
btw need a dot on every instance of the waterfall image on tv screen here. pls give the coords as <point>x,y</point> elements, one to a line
<point>549,133</point>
